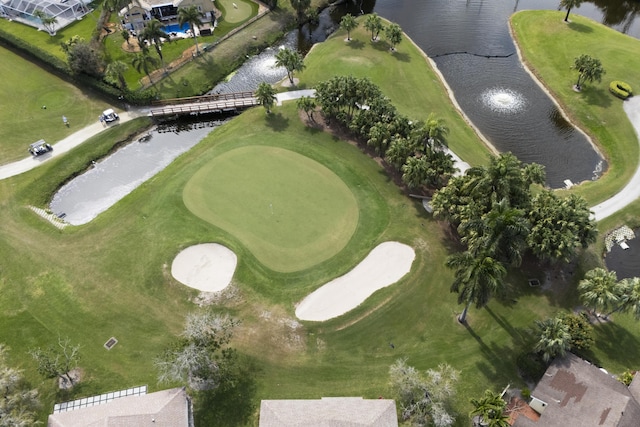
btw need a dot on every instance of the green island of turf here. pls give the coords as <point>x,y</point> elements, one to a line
<point>288,210</point>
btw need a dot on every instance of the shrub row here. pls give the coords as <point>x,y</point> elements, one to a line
<point>620,89</point>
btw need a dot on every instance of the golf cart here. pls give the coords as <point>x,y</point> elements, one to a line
<point>109,116</point>
<point>40,147</point>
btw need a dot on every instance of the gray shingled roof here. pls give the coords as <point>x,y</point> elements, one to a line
<point>329,412</point>
<point>166,408</point>
<point>578,393</point>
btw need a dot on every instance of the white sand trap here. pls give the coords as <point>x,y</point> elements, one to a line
<point>384,266</point>
<point>208,267</point>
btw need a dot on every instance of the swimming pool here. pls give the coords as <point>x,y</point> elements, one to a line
<point>176,28</point>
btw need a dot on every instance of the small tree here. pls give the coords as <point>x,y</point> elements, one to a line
<point>589,69</point>
<point>48,22</point>
<point>18,404</point>
<point>57,361</point>
<point>490,409</point>
<point>580,329</point>
<point>115,74</point>
<point>598,290</point>
<point>266,95</point>
<point>201,358</point>
<point>554,338</point>
<point>308,105</point>
<point>394,34</point>
<point>424,398</point>
<point>373,23</point>
<point>300,6</point>
<point>126,35</point>
<point>192,16</point>
<point>291,60</point>
<point>569,4</point>
<point>348,23</point>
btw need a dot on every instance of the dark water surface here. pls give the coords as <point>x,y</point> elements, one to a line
<point>472,47</point>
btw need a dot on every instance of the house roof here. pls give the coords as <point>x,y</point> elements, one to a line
<point>575,392</point>
<point>166,408</point>
<point>329,412</point>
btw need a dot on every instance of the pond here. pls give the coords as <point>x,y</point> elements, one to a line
<point>111,179</point>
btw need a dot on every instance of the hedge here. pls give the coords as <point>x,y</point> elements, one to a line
<point>620,89</point>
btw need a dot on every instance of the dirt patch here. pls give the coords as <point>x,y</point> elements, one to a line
<point>76,375</point>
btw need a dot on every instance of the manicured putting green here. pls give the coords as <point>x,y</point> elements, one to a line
<point>236,10</point>
<point>290,211</point>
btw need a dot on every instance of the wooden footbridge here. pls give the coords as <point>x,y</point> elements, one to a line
<point>195,105</point>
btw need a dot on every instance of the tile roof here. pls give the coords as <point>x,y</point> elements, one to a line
<point>166,408</point>
<point>577,393</point>
<point>329,412</point>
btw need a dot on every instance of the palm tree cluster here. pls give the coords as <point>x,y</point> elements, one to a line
<point>603,293</point>
<point>498,218</point>
<point>291,60</point>
<point>414,148</point>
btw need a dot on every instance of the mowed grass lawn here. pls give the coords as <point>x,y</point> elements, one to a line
<point>25,89</point>
<point>288,210</point>
<point>404,76</point>
<point>550,47</point>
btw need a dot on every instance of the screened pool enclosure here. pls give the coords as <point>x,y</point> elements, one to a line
<point>46,15</point>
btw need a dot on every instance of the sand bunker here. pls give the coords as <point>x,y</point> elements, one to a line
<point>384,266</point>
<point>208,267</point>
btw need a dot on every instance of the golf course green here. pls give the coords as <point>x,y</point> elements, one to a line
<point>287,209</point>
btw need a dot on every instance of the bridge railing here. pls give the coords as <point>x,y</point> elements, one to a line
<point>204,98</point>
<point>203,107</point>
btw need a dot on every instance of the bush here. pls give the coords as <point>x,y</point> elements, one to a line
<point>526,393</point>
<point>620,89</point>
<point>626,377</point>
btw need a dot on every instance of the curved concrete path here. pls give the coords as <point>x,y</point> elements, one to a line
<point>602,210</point>
<point>632,190</point>
<point>62,146</point>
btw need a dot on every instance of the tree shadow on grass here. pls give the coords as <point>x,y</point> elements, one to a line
<point>401,56</point>
<point>597,96</point>
<point>277,122</point>
<point>229,405</point>
<point>618,343</point>
<point>355,44</point>
<point>580,27</point>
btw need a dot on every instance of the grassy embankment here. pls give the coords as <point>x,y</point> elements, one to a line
<point>550,46</point>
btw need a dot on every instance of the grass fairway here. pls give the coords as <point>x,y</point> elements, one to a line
<point>25,121</point>
<point>288,210</point>
<point>550,47</point>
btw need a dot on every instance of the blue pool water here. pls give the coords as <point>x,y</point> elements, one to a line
<point>175,28</point>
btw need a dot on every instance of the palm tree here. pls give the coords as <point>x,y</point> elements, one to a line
<point>144,62</point>
<point>415,172</point>
<point>589,69</point>
<point>490,408</point>
<point>308,105</point>
<point>502,233</point>
<point>266,95</point>
<point>348,23</point>
<point>432,134</point>
<point>394,35</point>
<point>300,6</point>
<point>192,16</point>
<point>628,291</point>
<point>598,289</point>
<point>291,60</point>
<point>569,4</point>
<point>115,73</point>
<point>126,35</point>
<point>153,33</point>
<point>555,339</point>
<point>373,23</point>
<point>477,278</point>
<point>48,22</point>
